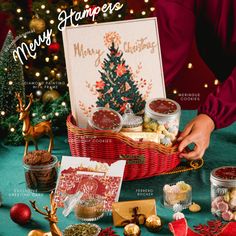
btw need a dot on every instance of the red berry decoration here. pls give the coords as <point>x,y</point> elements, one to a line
<point>20,213</point>
<point>54,47</point>
<point>108,232</point>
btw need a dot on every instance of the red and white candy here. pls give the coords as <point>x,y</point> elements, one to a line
<point>215,202</point>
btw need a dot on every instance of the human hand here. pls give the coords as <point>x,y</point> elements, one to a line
<point>198,132</point>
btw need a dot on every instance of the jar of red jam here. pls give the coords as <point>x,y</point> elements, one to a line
<point>223,192</point>
<point>162,115</point>
<point>105,119</point>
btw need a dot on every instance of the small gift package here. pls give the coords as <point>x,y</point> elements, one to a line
<point>127,212</point>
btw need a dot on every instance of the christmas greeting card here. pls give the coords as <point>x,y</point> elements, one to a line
<point>90,177</point>
<point>112,64</point>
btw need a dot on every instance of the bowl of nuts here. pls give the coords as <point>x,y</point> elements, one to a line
<point>82,230</point>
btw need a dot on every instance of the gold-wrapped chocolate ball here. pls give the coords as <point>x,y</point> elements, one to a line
<point>37,24</point>
<point>132,230</point>
<point>153,223</point>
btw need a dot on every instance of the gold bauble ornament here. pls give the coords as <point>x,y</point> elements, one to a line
<point>36,232</point>
<point>50,95</point>
<point>37,24</point>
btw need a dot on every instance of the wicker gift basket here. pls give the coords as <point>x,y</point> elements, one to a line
<point>143,159</point>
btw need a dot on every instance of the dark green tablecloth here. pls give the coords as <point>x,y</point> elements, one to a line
<point>222,151</point>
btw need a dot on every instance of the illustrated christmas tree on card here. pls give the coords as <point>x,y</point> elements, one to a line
<point>117,87</point>
<point>11,77</point>
<point>117,83</point>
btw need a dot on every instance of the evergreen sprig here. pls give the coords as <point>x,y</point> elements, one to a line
<point>56,111</point>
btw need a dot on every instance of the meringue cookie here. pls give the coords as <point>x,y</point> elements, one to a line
<point>178,216</point>
<point>221,191</point>
<point>227,197</point>
<point>227,216</point>
<point>223,206</point>
<point>177,207</point>
<point>232,203</point>
<point>166,141</point>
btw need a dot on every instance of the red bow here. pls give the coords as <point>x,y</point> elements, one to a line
<point>180,228</point>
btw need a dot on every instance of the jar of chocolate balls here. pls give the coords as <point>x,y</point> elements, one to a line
<point>162,115</point>
<point>223,192</point>
<point>105,119</point>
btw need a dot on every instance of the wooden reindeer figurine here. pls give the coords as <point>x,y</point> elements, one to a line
<point>51,216</point>
<point>31,133</point>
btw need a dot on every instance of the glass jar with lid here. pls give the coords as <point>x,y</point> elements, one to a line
<point>131,122</point>
<point>162,115</point>
<point>105,119</point>
<point>223,192</point>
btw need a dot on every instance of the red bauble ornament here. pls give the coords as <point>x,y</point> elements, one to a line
<point>20,213</point>
<point>54,47</point>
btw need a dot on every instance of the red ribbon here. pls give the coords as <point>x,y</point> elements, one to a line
<point>180,228</point>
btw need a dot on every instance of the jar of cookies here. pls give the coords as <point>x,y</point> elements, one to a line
<point>223,192</point>
<point>162,115</point>
<point>105,119</point>
<point>40,171</point>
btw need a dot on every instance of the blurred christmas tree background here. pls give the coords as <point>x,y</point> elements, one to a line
<point>45,75</point>
<point>12,78</point>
